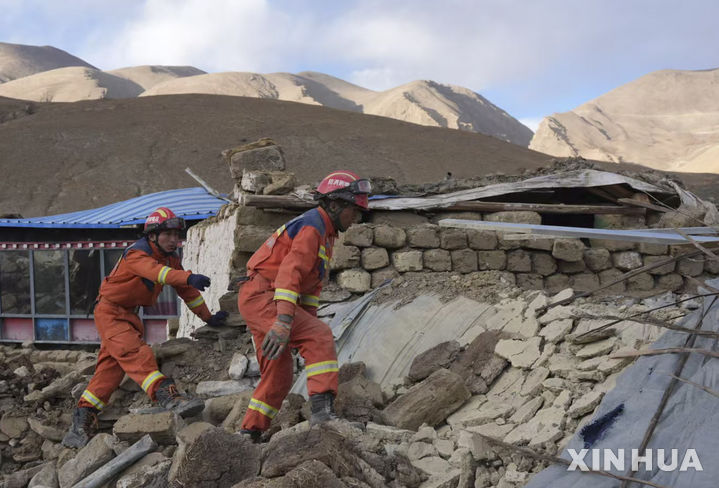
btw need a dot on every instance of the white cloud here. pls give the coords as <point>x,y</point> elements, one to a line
<point>222,35</point>
<point>533,57</point>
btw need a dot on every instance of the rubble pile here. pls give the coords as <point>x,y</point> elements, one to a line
<point>531,379</point>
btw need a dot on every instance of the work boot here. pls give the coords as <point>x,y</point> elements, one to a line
<point>254,435</point>
<point>84,425</point>
<point>169,398</point>
<point>323,408</point>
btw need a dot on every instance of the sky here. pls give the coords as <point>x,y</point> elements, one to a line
<point>531,58</point>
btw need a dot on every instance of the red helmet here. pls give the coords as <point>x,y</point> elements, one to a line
<point>163,219</point>
<point>345,185</point>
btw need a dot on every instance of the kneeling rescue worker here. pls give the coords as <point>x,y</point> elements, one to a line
<point>280,299</point>
<point>137,280</point>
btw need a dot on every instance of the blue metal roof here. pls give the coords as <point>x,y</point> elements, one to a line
<point>189,203</point>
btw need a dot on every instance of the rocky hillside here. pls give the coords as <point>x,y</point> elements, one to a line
<point>59,157</point>
<point>420,102</point>
<point>666,120</point>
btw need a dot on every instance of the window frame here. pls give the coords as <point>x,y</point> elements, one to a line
<point>67,316</point>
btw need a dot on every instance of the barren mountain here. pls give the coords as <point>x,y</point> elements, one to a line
<point>64,157</point>
<point>666,120</point>
<point>420,102</point>
<point>69,85</point>
<point>19,60</point>
<point>149,76</point>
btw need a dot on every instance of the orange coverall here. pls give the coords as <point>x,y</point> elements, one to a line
<point>287,271</point>
<point>136,280</point>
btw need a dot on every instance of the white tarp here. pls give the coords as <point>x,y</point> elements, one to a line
<point>387,340</point>
<point>690,419</point>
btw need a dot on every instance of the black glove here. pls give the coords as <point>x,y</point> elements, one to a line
<point>198,281</point>
<point>218,319</point>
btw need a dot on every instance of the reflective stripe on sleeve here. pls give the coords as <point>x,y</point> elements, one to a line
<point>88,396</point>
<point>196,302</point>
<point>283,294</point>
<point>321,368</point>
<point>162,275</point>
<point>262,407</point>
<point>310,300</point>
<point>150,380</point>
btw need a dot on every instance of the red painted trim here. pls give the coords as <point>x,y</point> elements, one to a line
<point>68,245</point>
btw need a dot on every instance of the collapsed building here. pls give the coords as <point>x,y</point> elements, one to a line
<point>482,327</point>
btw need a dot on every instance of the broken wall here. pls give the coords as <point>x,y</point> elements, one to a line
<point>391,244</point>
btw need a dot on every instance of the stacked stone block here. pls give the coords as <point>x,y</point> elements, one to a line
<point>393,243</point>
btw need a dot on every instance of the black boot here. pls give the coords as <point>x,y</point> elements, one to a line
<point>170,398</point>
<point>84,425</point>
<point>323,408</point>
<point>254,435</point>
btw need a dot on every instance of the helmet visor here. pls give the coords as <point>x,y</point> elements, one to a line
<point>173,223</point>
<point>360,186</point>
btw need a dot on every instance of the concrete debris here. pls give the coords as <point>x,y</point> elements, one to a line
<point>527,375</point>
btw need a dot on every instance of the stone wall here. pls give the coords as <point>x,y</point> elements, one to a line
<point>393,243</point>
<point>220,247</point>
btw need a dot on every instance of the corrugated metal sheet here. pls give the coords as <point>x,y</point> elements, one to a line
<point>189,203</point>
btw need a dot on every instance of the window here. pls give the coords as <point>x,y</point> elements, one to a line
<point>112,256</point>
<point>166,303</point>
<point>49,282</point>
<point>84,270</point>
<point>15,283</point>
<point>47,294</point>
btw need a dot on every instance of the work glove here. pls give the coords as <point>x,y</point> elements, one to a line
<point>218,319</point>
<point>278,337</point>
<point>198,281</point>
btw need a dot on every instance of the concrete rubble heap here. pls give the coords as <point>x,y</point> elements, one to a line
<point>528,380</point>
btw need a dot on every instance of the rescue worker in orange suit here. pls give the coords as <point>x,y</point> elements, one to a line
<point>137,280</point>
<point>279,302</point>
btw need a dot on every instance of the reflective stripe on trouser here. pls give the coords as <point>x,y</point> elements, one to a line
<point>310,335</point>
<point>122,351</point>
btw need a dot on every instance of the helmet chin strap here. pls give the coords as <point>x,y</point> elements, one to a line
<point>157,244</point>
<point>334,215</point>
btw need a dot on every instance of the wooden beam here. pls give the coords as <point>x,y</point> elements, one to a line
<point>127,458</point>
<point>291,201</point>
<point>546,208</point>
<point>276,201</point>
<point>619,190</point>
<point>601,193</point>
<point>639,203</point>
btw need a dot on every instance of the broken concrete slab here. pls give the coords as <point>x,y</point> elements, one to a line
<point>556,330</point>
<point>45,431</point>
<point>522,354</point>
<point>238,366</point>
<point>98,452</point>
<point>221,388</point>
<point>440,356</point>
<point>185,437</point>
<point>218,459</point>
<point>430,401</point>
<point>161,426</point>
<point>153,476</point>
